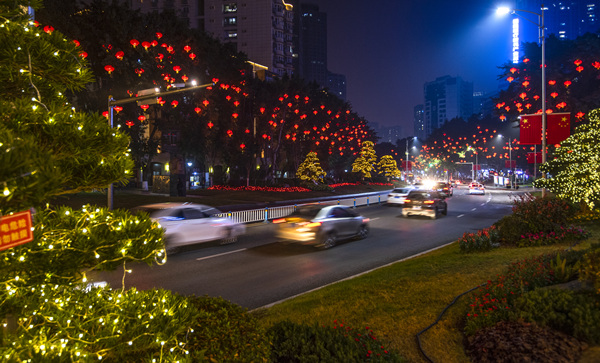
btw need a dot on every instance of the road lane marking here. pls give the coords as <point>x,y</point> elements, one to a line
<point>461,215</point>
<point>474,209</point>
<point>220,254</point>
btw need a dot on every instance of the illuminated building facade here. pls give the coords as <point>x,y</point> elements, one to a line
<point>446,98</point>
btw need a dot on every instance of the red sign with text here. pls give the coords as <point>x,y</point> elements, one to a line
<point>15,229</point>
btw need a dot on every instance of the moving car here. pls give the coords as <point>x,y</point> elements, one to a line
<point>444,188</point>
<point>476,188</point>
<point>424,203</point>
<point>397,196</point>
<point>321,225</point>
<point>188,223</point>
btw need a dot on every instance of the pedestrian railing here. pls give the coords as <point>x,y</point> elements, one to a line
<point>266,214</point>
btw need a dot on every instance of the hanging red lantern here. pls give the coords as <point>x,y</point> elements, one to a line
<point>159,35</point>
<point>177,69</point>
<point>119,55</point>
<point>146,45</point>
<point>185,78</point>
<point>525,83</point>
<point>141,118</point>
<point>229,133</point>
<point>513,70</point>
<point>215,80</point>
<point>579,69</point>
<point>83,55</point>
<point>160,57</point>
<point>174,103</point>
<point>129,123</point>
<point>234,115</point>
<point>552,82</point>
<point>567,83</point>
<point>76,42</point>
<point>510,79</point>
<point>262,110</point>
<point>139,71</point>
<point>526,60</point>
<point>134,42</point>
<point>48,29</point>
<point>192,55</point>
<point>154,43</point>
<point>109,68</point>
<point>596,65</point>
<point>553,94</point>
<point>247,131</point>
<point>118,109</point>
<point>187,48</point>
<point>242,146</point>
<point>144,107</point>
<point>105,114</point>
<point>523,95</point>
<point>210,125</point>
<point>578,62</point>
<point>170,49</point>
<point>205,103</point>
<point>579,114</point>
<point>197,109</point>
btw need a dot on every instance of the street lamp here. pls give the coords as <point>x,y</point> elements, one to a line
<point>476,163</point>
<point>143,97</point>
<point>407,161</point>
<point>542,32</point>
<point>509,159</point>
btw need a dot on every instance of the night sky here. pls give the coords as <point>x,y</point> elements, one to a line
<point>388,49</point>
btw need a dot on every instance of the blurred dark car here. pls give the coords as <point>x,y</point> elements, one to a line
<point>321,225</point>
<point>444,188</point>
<point>428,203</point>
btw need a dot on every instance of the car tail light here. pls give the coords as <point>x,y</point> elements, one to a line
<point>428,202</point>
<point>407,200</point>
<point>366,220</point>
<point>279,220</point>
<point>313,224</point>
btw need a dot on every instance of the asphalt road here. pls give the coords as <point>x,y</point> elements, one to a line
<point>258,270</point>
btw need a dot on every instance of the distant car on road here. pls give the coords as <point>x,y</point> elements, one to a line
<point>321,225</point>
<point>476,188</point>
<point>397,196</point>
<point>444,188</point>
<point>429,203</point>
<point>189,223</point>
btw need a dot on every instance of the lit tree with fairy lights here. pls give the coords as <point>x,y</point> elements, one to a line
<point>367,161</point>
<point>575,170</point>
<point>310,169</point>
<point>50,313</point>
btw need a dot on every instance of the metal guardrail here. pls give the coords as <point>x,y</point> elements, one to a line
<point>266,214</point>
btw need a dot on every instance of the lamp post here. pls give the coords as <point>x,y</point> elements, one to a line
<point>509,159</point>
<point>542,35</point>
<point>407,157</point>
<point>470,148</point>
<point>147,96</point>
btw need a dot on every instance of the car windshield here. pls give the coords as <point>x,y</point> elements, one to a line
<point>306,211</point>
<point>402,190</point>
<point>416,195</point>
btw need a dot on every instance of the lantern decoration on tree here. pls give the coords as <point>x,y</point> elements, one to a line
<point>552,82</point>
<point>139,71</point>
<point>579,115</point>
<point>525,84</point>
<point>160,57</point>
<point>187,48</point>
<point>170,49</point>
<point>578,62</point>
<point>146,45</point>
<point>144,107</point>
<point>197,109</point>
<point>134,42</point>
<point>210,125</point>
<point>567,84</point>
<point>48,29</point>
<point>192,56</point>
<point>242,146</point>
<point>554,94</point>
<point>229,133</point>
<point>177,69</point>
<point>510,79</point>
<point>205,103</point>
<point>154,43</point>
<point>129,123</point>
<point>174,103</point>
<point>120,54</point>
<point>185,78</point>
<point>596,65</point>
<point>513,70</point>
<point>159,35</point>
<point>76,42</point>
<point>523,95</point>
<point>83,55</point>
<point>141,118</point>
<point>579,69</point>
<point>118,109</point>
<point>109,68</point>
<point>105,114</point>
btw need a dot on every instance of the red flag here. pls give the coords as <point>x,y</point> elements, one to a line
<point>410,163</point>
<point>510,163</point>
<point>534,158</point>
<point>530,129</point>
<point>476,166</point>
<point>558,127</point>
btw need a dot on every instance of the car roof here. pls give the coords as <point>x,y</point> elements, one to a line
<point>173,205</point>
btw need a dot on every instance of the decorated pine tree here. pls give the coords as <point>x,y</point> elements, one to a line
<point>574,172</point>
<point>366,162</point>
<point>310,169</point>
<point>388,166</point>
<point>49,148</point>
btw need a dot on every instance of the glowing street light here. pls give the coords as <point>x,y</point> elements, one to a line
<point>542,32</point>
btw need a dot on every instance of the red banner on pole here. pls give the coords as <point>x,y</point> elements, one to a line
<point>534,158</point>
<point>530,129</point>
<point>510,164</point>
<point>558,127</point>
<point>404,165</point>
<point>476,167</point>
<point>15,229</point>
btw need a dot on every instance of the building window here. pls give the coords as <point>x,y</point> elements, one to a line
<point>232,34</point>
<point>230,8</point>
<point>230,21</point>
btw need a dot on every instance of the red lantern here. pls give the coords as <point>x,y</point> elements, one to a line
<point>105,114</point>
<point>177,69</point>
<point>154,43</point>
<point>205,103</point>
<point>513,70</point>
<point>262,110</point>
<point>553,94</point>
<point>229,133</point>
<point>578,62</point>
<point>109,68</point>
<point>193,56</point>
<point>185,78</point>
<point>139,71</point>
<point>579,114</point>
<point>174,103</point>
<point>187,48</point>
<point>146,45</point>
<point>579,69</point>
<point>525,83</point>
<point>129,123</point>
<point>170,49</point>
<point>118,108</point>
<point>119,55</point>
<point>242,146</point>
<point>552,82</point>
<point>48,29</point>
<point>596,65</point>
<point>197,109</point>
<point>510,79</point>
<point>567,83</point>
<point>134,42</point>
<point>523,95</point>
<point>144,107</point>
<point>141,118</point>
<point>210,125</point>
<point>160,57</point>
<point>76,42</point>
<point>83,55</point>
<point>159,35</point>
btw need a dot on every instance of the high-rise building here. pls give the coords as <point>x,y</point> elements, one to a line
<point>419,121</point>
<point>564,19</point>
<point>446,98</point>
<point>311,30</point>
<point>336,84</point>
<point>262,29</point>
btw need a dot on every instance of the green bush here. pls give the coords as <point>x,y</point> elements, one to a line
<point>574,313</point>
<point>590,267</point>
<point>566,265</point>
<point>317,187</point>
<point>295,343</point>
<point>483,240</point>
<point>225,332</point>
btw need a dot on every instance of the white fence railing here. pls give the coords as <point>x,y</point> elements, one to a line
<point>266,214</point>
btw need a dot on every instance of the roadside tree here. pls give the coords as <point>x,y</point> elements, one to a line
<point>310,169</point>
<point>367,161</point>
<point>388,167</point>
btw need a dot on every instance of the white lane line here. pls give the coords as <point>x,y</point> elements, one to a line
<point>220,254</point>
<point>474,209</point>
<point>462,215</point>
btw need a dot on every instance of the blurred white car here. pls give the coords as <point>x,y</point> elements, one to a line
<point>476,188</point>
<point>188,223</point>
<point>397,196</point>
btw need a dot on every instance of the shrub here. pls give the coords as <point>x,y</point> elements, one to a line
<point>492,302</point>
<point>225,332</point>
<point>303,343</point>
<point>574,313</point>
<point>590,268</point>
<point>566,265</point>
<point>483,240</point>
<point>560,235</point>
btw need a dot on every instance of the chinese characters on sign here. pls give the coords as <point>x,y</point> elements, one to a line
<point>15,229</point>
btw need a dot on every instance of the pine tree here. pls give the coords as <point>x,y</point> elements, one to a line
<point>575,170</point>
<point>388,166</point>
<point>366,162</point>
<point>310,169</point>
<point>49,149</point>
